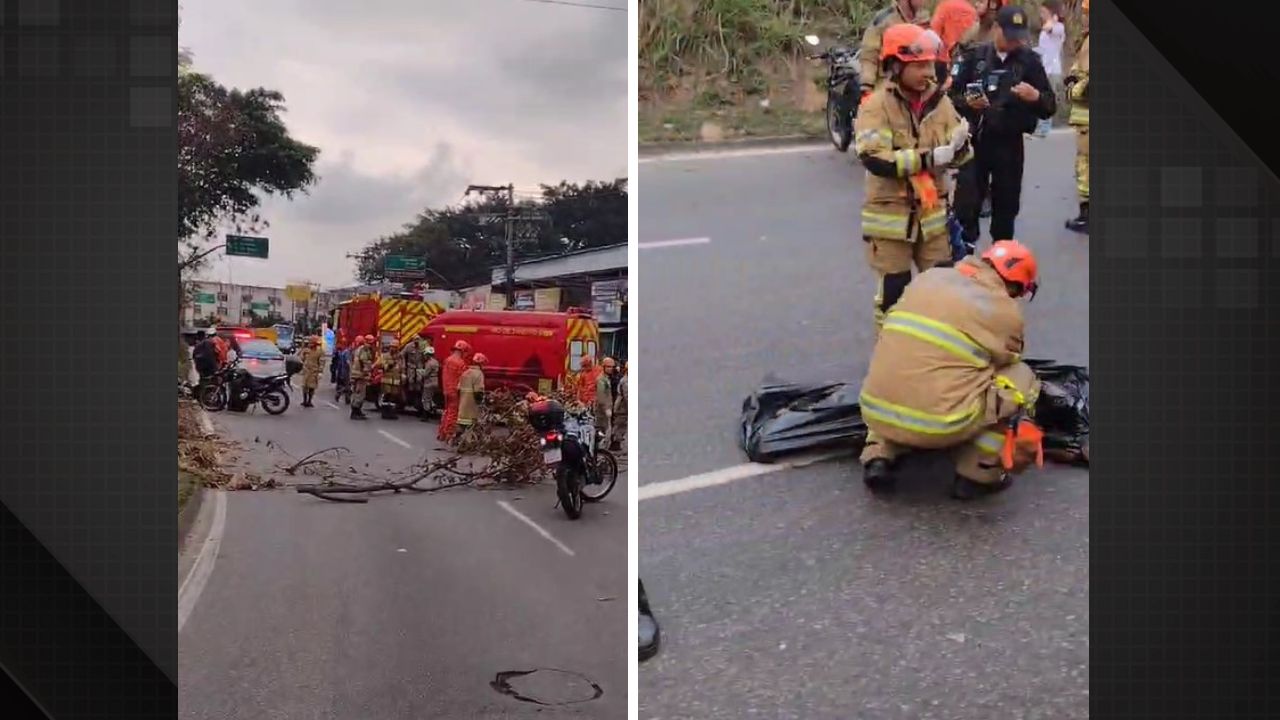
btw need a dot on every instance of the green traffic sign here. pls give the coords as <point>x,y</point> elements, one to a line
<point>206,298</point>
<point>245,246</point>
<point>404,266</point>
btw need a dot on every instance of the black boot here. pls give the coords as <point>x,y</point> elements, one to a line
<point>965,489</point>
<point>650,635</point>
<point>1080,224</point>
<point>358,414</point>
<point>878,475</point>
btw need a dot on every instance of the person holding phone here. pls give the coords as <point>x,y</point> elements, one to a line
<point>1002,89</point>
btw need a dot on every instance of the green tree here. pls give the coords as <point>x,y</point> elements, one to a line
<point>233,148</point>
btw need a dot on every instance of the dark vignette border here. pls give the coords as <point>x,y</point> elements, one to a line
<point>1186,210</point>
<point>88,198</point>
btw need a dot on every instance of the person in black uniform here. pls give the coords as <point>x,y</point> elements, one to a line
<point>1001,88</point>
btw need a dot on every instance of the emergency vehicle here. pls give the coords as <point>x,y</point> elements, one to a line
<point>526,350</point>
<point>394,319</point>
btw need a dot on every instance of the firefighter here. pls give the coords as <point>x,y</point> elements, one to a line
<point>312,366</point>
<point>604,399</point>
<point>620,412</point>
<point>907,135</point>
<point>471,393</point>
<point>1077,83</point>
<point>870,71</point>
<point>361,367</point>
<point>946,374</point>
<point>430,382</point>
<point>450,376</point>
<point>415,358</point>
<point>586,381</point>
<point>391,364</point>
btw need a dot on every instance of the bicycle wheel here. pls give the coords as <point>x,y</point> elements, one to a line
<point>607,474</point>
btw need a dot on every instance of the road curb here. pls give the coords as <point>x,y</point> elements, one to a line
<point>667,148</point>
<point>187,516</point>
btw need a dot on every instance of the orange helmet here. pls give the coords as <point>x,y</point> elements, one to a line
<point>358,341</point>
<point>588,362</point>
<point>908,44</point>
<point>1085,6</point>
<point>462,345</point>
<point>370,339</point>
<point>479,359</point>
<point>1014,262</point>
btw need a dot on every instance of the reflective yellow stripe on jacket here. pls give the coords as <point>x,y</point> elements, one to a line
<point>872,141</point>
<point>1079,115</point>
<point>934,222</point>
<point>884,225</point>
<point>915,420</point>
<point>938,334</point>
<point>907,162</point>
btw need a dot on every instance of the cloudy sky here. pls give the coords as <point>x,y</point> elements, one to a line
<point>411,100</point>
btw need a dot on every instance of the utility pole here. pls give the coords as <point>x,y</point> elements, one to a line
<point>510,232</point>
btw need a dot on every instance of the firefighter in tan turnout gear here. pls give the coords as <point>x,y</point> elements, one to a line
<point>1077,83</point>
<point>946,373</point>
<point>907,135</point>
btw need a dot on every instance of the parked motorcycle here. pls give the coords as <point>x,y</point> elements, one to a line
<point>237,389</point>
<point>571,446</point>
<point>843,95</point>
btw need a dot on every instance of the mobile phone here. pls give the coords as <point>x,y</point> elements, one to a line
<point>973,89</point>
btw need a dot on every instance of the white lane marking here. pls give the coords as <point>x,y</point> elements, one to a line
<point>194,584</point>
<point>673,243</point>
<point>394,439</point>
<point>727,153</point>
<point>335,407</point>
<point>728,475</point>
<point>536,527</point>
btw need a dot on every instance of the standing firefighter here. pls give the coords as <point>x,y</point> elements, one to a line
<point>1077,83</point>
<point>361,368</point>
<point>471,393</point>
<point>907,135</point>
<point>391,363</point>
<point>451,376</point>
<point>946,374</point>
<point>312,366</point>
<point>430,382</point>
<point>604,400</point>
<point>415,367</point>
<point>870,71</point>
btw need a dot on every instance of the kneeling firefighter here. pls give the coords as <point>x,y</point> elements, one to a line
<point>907,135</point>
<point>946,373</point>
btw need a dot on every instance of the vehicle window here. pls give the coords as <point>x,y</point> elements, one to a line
<point>575,355</point>
<point>260,350</point>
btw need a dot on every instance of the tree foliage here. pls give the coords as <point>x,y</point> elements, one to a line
<point>463,243</point>
<point>233,148</point>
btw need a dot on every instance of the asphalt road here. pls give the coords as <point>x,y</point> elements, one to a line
<point>408,606</point>
<point>795,594</point>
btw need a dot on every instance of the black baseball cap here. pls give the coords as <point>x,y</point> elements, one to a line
<point>1012,20</point>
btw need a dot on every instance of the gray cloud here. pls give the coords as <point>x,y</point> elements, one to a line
<point>409,101</point>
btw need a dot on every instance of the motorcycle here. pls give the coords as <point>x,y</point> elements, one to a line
<point>237,389</point>
<point>843,92</point>
<point>570,445</point>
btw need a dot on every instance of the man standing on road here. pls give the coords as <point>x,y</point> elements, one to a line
<point>430,382</point>
<point>312,366</point>
<point>606,384</point>
<point>1078,91</point>
<point>391,363</point>
<point>415,357</point>
<point>586,382</point>
<point>471,393</point>
<point>451,376</point>
<point>620,412</point>
<point>907,135</point>
<point>946,374</point>
<point>870,73</point>
<point>361,367</point>
<point>1003,91</point>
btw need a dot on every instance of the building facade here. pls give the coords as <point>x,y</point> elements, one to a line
<point>232,304</point>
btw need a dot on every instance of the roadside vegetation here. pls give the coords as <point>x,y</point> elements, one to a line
<point>721,69</point>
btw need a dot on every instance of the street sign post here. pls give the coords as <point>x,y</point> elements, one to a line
<point>245,246</point>
<point>404,267</point>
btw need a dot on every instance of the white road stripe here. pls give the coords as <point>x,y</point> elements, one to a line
<point>536,527</point>
<point>728,475</point>
<point>727,153</point>
<point>335,407</point>
<point>673,243</point>
<point>394,439</point>
<point>194,584</point>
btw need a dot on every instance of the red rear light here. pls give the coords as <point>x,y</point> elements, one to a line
<point>553,436</point>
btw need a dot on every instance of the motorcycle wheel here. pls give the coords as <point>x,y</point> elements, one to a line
<point>274,402</point>
<point>607,471</point>
<point>214,397</point>
<point>841,133</point>
<point>569,490</point>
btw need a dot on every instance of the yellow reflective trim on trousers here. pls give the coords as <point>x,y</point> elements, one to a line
<point>907,162</point>
<point>1079,116</point>
<point>990,442</point>
<point>884,225</point>
<point>934,223</point>
<point>940,334</point>
<point>915,420</point>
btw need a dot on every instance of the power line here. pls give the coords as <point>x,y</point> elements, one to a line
<point>580,4</point>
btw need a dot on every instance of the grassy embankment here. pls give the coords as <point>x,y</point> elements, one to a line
<point>715,70</point>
